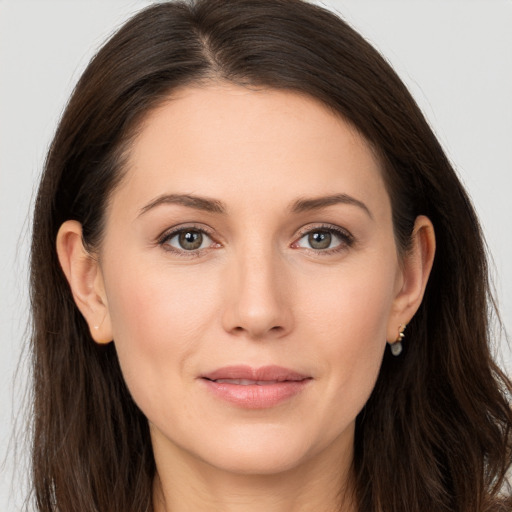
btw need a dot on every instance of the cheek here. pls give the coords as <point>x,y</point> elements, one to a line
<point>351,305</point>
<point>349,322</point>
<point>158,318</point>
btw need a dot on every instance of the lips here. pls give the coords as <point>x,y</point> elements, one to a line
<point>255,388</point>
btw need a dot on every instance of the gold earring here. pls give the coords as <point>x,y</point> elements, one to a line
<point>396,346</point>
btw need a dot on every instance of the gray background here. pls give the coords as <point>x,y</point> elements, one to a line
<point>455,56</point>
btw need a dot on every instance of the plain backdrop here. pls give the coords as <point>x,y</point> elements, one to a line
<point>455,56</point>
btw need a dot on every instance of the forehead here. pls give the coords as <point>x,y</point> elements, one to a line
<point>228,141</point>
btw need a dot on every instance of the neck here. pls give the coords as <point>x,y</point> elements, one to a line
<point>320,484</point>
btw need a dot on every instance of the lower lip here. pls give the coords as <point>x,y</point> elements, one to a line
<point>255,396</point>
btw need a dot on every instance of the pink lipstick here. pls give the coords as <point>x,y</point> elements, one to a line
<point>255,388</point>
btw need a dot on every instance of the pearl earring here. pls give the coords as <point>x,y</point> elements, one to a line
<point>396,346</point>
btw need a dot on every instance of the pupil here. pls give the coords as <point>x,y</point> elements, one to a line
<point>191,240</point>
<point>320,239</point>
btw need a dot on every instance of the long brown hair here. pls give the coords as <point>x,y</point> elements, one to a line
<point>435,434</point>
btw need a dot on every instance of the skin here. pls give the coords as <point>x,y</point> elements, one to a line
<point>258,292</point>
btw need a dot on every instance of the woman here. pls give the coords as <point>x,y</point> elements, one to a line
<point>241,223</point>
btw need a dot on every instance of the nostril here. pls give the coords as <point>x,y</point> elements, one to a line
<point>276,329</point>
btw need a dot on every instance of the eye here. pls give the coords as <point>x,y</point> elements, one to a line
<point>319,239</point>
<point>324,239</point>
<point>187,239</point>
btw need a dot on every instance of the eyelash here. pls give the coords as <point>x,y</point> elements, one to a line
<point>166,237</point>
<point>346,240</point>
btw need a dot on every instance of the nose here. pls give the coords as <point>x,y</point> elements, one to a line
<point>258,297</point>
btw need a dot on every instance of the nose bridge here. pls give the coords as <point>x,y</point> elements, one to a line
<point>258,304</point>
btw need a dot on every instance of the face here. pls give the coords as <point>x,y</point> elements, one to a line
<point>250,277</point>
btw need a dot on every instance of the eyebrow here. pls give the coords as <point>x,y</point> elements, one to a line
<point>215,206</point>
<point>316,203</point>
<point>190,201</point>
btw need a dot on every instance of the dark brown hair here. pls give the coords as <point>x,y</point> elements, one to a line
<point>435,434</point>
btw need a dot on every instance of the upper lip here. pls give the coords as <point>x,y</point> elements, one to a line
<point>264,373</point>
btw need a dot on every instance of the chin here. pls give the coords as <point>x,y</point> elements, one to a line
<point>257,451</point>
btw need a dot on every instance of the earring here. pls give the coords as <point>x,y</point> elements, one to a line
<point>396,346</point>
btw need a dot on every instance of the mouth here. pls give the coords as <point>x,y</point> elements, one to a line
<point>255,388</point>
<point>247,375</point>
<point>247,382</point>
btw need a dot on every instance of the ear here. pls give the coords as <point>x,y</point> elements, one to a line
<point>85,279</point>
<point>416,267</point>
